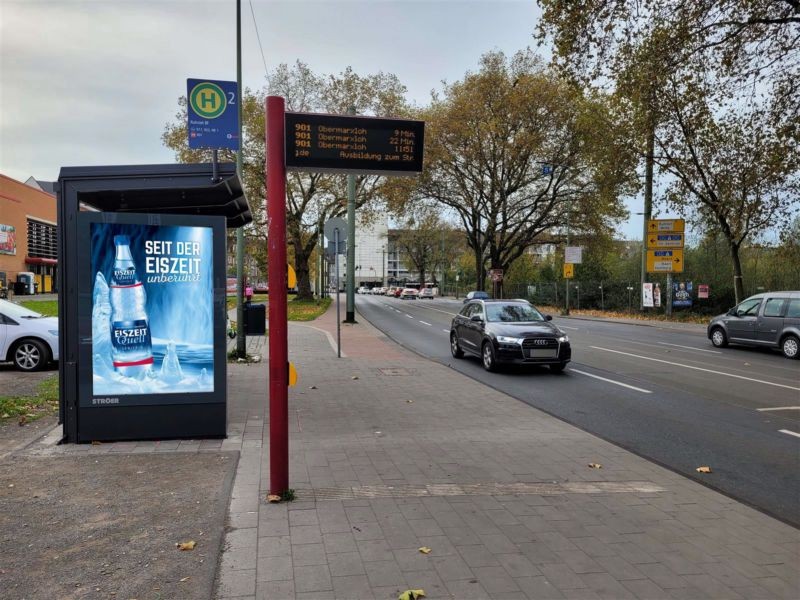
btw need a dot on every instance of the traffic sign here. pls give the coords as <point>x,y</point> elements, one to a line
<point>213,114</point>
<point>331,225</point>
<point>665,261</point>
<point>665,240</point>
<point>666,225</point>
<point>569,270</point>
<point>496,275</point>
<point>573,254</point>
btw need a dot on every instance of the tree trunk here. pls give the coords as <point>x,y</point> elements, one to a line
<point>738,285</point>
<point>479,269</point>
<point>303,280</point>
<point>422,277</point>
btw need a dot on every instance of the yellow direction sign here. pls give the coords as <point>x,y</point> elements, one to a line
<point>665,261</point>
<point>292,375</point>
<point>291,277</point>
<point>666,225</point>
<point>665,240</point>
<point>569,270</point>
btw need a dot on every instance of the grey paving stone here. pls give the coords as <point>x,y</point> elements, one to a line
<point>351,587</point>
<point>411,559</point>
<point>309,554</point>
<point>303,517</point>
<point>495,580</point>
<point>274,546</point>
<point>345,563</point>
<point>467,589</point>
<point>477,556</point>
<point>429,581</point>
<point>605,586</point>
<point>339,542</point>
<point>372,550</point>
<point>275,590</point>
<point>314,578</point>
<point>517,565</point>
<point>238,559</point>
<point>305,534</point>
<point>452,567</point>
<point>237,583</point>
<point>384,573</point>
<point>562,576</point>
<point>538,587</point>
<point>274,568</point>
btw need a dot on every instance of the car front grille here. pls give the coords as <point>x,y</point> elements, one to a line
<point>539,343</point>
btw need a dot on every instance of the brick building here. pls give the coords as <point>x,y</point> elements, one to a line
<point>27,234</point>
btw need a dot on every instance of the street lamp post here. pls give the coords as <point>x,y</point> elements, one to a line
<point>383,266</point>
<point>602,302</point>
<point>630,289</point>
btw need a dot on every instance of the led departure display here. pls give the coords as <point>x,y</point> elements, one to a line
<point>344,144</point>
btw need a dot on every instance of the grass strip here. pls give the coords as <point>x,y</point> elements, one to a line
<point>43,402</point>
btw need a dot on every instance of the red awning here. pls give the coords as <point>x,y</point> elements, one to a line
<point>33,260</point>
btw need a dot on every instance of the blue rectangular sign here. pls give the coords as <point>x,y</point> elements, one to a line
<point>212,108</point>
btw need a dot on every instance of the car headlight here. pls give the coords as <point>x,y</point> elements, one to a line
<point>53,332</point>
<point>563,338</point>
<point>508,340</point>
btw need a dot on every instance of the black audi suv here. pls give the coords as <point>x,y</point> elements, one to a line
<point>508,331</point>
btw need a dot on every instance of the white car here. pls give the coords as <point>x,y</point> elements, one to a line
<point>27,339</point>
<point>426,293</point>
<point>362,290</point>
<point>409,293</point>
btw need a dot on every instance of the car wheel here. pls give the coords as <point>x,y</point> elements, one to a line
<point>790,346</point>
<point>558,368</point>
<point>718,337</point>
<point>487,353</point>
<point>455,349</point>
<point>30,355</point>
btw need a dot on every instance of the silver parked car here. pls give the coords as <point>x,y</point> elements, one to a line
<point>771,320</point>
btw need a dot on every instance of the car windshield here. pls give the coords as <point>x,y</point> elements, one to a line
<point>512,313</point>
<point>15,311</point>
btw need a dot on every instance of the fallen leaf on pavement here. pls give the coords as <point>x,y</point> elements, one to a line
<point>313,387</point>
<point>273,498</point>
<point>411,595</point>
<point>186,545</point>
<point>425,550</point>
<point>595,466</point>
<point>410,401</point>
<point>703,469</point>
<point>22,420</point>
<point>184,579</point>
<point>354,377</point>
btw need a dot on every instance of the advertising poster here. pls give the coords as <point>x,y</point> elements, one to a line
<point>657,295</point>
<point>647,297</point>
<point>8,239</point>
<point>682,294</point>
<point>702,291</point>
<point>152,309</point>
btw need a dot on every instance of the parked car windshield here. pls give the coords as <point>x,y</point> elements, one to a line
<point>15,311</point>
<point>512,313</point>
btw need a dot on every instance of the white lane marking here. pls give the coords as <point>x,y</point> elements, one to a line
<point>573,370</point>
<point>446,330</point>
<point>567,327</point>
<point>667,362</point>
<point>447,312</point>
<point>424,323</point>
<point>778,408</point>
<point>787,432</point>
<point>689,348</point>
<point>395,310</point>
<point>409,316</point>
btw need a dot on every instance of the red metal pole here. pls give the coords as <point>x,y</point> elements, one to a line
<point>278,326</point>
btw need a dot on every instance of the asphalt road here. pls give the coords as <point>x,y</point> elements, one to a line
<point>663,392</point>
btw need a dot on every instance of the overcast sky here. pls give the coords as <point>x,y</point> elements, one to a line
<point>94,82</point>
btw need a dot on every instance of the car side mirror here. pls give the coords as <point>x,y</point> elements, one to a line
<point>548,318</point>
<point>476,319</point>
<point>732,312</point>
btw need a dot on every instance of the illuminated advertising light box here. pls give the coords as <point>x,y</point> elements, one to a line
<point>152,327</point>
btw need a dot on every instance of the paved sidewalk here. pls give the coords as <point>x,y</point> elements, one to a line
<point>390,453</point>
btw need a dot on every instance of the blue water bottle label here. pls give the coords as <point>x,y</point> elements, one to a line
<point>131,338</point>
